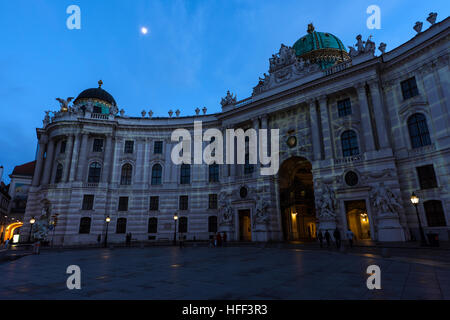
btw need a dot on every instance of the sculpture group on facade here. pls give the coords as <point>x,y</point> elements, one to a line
<point>229,99</point>
<point>385,201</point>
<point>362,47</point>
<point>327,204</point>
<point>41,227</point>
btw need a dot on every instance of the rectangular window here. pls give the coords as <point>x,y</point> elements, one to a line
<point>88,202</point>
<point>123,204</point>
<point>129,146</point>
<point>184,202</point>
<point>63,147</point>
<point>154,203</point>
<point>98,145</point>
<point>212,201</point>
<point>427,177</point>
<point>344,107</point>
<point>158,147</point>
<point>97,109</point>
<point>409,88</point>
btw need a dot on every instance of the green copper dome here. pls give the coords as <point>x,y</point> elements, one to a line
<point>322,48</point>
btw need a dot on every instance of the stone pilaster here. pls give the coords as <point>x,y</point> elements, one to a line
<point>315,134</point>
<point>326,133</point>
<point>48,162</point>
<point>107,159</point>
<point>379,115</point>
<point>367,130</point>
<point>67,160</point>
<point>74,159</point>
<point>82,163</point>
<point>39,161</point>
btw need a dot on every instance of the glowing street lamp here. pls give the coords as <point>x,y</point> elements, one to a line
<point>32,221</point>
<point>415,202</point>
<point>107,220</point>
<point>175,218</point>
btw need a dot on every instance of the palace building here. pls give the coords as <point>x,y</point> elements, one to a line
<point>359,134</point>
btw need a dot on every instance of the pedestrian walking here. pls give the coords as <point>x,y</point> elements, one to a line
<point>99,238</point>
<point>6,243</point>
<point>328,238</point>
<point>350,236</point>
<point>337,237</point>
<point>320,237</point>
<point>37,247</point>
<point>215,240</point>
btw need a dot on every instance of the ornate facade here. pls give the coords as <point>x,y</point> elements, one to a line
<point>359,133</point>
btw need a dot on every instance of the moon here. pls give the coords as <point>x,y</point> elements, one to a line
<point>144,30</point>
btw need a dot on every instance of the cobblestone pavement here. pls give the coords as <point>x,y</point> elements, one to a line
<point>219,273</point>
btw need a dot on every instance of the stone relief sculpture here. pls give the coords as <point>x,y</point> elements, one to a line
<point>285,57</point>
<point>41,226</point>
<point>384,200</point>
<point>432,18</point>
<point>228,99</point>
<point>225,210</point>
<point>46,120</point>
<point>327,202</point>
<point>261,215</point>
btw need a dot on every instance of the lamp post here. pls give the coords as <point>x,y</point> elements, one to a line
<point>175,218</point>
<point>415,202</point>
<point>108,220</point>
<point>32,221</point>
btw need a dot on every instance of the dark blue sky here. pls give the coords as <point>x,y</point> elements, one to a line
<point>194,52</point>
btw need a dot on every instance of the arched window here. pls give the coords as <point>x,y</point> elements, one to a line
<point>212,224</point>
<point>183,224</point>
<point>121,226</point>
<point>125,178</point>
<point>94,172</point>
<point>418,131</point>
<point>152,225</point>
<point>435,213</point>
<point>59,172</point>
<point>214,172</point>
<point>185,174</point>
<point>349,142</point>
<point>85,225</point>
<point>156,174</point>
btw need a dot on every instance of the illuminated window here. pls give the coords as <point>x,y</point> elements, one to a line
<point>418,130</point>
<point>349,143</point>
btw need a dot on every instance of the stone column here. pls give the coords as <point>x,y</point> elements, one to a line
<point>315,134</point>
<point>366,124</point>
<point>258,164</point>
<point>74,160</point>
<point>83,154</point>
<point>326,133</point>
<point>67,160</point>
<point>140,144</point>
<point>379,115</point>
<point>39,161</point>
<point>48,162</point>
<point>107,157</point>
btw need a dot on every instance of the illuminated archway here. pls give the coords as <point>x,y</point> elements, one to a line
<point>9,230</point>
<point>297,204</point>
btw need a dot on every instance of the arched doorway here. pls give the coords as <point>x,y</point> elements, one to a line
<point>298,215</point>
<point>9,230</point>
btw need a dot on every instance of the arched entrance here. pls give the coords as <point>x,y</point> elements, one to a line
<point>9,230</point>
<point>298,215</point>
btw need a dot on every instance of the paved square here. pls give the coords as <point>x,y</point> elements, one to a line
<point>218,273</point>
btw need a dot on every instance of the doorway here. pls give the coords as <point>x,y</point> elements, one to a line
<point>245,227</point>
<point>298,216</point>
<point>358,219</point>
